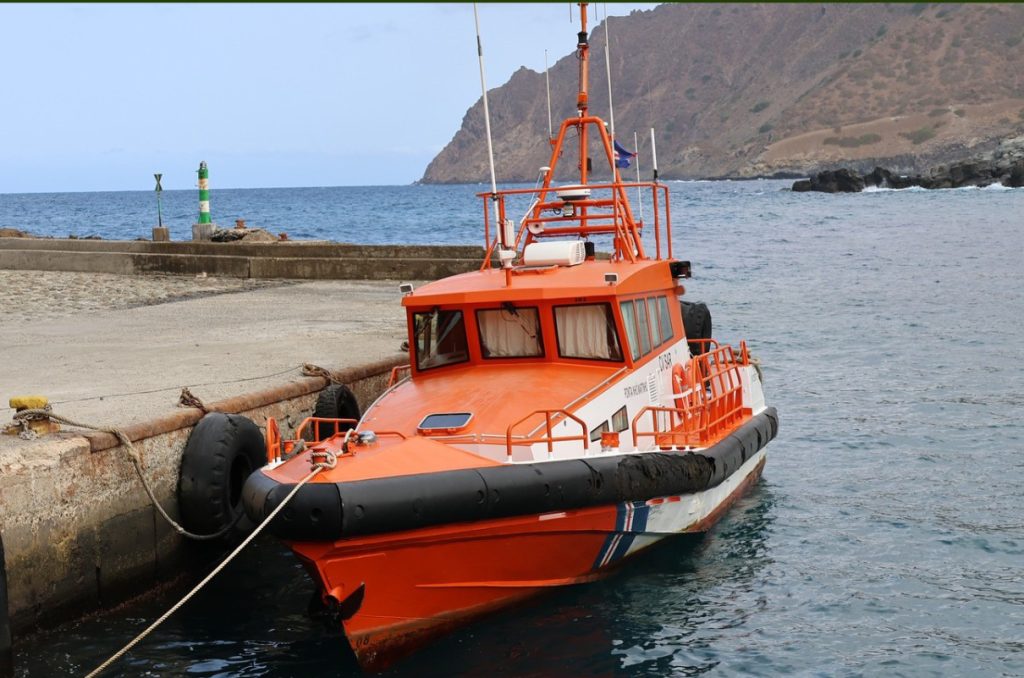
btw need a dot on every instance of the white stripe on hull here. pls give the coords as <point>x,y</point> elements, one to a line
<point>674,515</point>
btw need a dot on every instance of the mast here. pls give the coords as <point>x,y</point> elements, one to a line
<point>584,214</point>
<point>582,98</point>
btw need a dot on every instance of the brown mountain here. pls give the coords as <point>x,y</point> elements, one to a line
<point>753,90</point>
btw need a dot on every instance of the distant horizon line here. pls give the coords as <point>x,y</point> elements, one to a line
<point>212,189</point>
<point>407,185</point>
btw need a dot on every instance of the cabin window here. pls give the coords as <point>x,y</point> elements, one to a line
<point>587,331</point>
<point>664,319</point>
<point>652,310</point>
<point>620,420</point>
<point>509,332</point>
<point>595,434</point>
<point>629,320</point>
<point>643,326</point>
<point>440,338</point>
<point>634,315</point>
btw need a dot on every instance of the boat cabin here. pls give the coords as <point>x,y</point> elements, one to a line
<point>596,312</point>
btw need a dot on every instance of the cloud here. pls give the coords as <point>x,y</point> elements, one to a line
<point>371,31</point>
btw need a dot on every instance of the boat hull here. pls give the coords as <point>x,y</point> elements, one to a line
<point>399,591</point>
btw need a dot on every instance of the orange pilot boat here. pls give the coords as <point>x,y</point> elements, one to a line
<point>560,413</point>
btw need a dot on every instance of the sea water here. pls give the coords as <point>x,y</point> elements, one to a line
<point>885,538</point>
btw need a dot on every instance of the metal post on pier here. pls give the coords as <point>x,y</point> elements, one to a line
<point>160,234</point>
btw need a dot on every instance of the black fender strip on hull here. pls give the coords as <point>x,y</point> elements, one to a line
<point>327,511</point>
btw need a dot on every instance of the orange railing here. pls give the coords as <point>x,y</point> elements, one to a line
<point>548,436</point>
<point>706,409</point>
<point>588,216</point>
<point>321,424</point>
<point>399,372</point>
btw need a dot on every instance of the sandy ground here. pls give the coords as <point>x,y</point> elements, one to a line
<point>112,349</point>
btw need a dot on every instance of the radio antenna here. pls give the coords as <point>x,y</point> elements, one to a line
<point>487,119</point>
<point>547,79</point>
<point>639,193</point>
<point>608,66</point>
<point>654,156</point>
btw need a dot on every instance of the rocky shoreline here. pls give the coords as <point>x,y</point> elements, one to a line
<point>1004,165</point>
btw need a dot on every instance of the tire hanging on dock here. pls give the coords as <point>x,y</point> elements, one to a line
<point>335,402</point>
<point>6,651</point>
<point>221,453</point>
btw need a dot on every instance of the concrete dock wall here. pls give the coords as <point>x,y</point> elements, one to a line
<point>79,530</point>
<point>296,260</point>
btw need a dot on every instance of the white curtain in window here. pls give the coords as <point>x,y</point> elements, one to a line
<point>511,336</point>
<point>582,332</point>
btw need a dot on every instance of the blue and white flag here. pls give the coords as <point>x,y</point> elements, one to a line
<point>622,156</point>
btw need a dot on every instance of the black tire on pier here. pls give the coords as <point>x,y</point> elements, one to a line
<point>335,402</point>
<point>221,453</point>
<point>6,651</point>
<point>697,322</point>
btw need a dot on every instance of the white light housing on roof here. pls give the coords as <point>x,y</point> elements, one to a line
<point>405,289</point>
<point>611,278</point>
<point>558,253</point>
<point>570,193</point>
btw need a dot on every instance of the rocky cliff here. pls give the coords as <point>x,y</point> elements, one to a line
<point>758,90</point>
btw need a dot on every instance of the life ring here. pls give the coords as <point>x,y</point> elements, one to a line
<point>682,386</point>
<point>221,453</point>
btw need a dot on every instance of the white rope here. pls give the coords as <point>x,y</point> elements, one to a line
<point>135,641</point>
<point>24,415</point>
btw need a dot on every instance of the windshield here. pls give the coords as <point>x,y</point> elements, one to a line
<point>440,338</point>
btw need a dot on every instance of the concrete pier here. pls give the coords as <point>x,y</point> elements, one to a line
<point>78,529</point>
<point>294,260</point>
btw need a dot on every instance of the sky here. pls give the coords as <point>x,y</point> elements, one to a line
<point>99,97</point>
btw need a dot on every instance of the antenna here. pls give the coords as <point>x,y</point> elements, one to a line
<point>487,120</point>
<point>608,66</point>
<point>639,193</point>
<point>654,156</point>
<point>547,78</point>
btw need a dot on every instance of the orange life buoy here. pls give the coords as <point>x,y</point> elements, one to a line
<point>682,386</point>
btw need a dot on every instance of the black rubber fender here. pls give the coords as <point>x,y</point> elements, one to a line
<point>325,511</point>
<point>220,455</point>
<point>335,402</point>
<point>697,323</point>
<point>6,650</point>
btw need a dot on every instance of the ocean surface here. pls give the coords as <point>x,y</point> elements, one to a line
<point>885,538</point>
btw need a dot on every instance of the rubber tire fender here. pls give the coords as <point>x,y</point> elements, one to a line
<point>221,452</point>
<point>697,323</point>
<point>335,402</point>
<point>6,646</point>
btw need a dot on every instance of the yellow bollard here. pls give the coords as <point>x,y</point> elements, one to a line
<point>29,402</point>
<point>40,426</point>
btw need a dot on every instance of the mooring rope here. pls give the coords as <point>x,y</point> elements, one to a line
<point>25,415</point>
<point>756,362</point>
<point>310,370</point>
<point>328,463</point>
